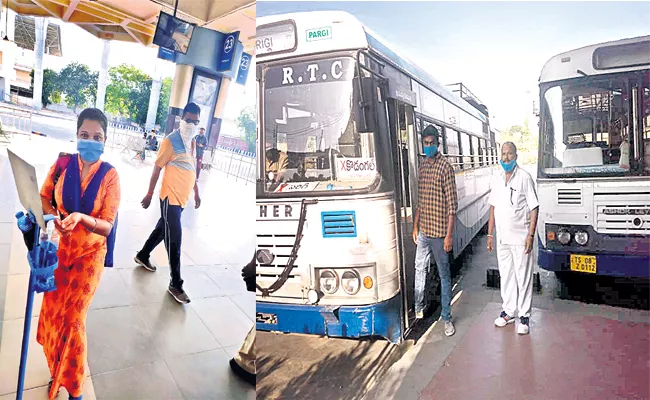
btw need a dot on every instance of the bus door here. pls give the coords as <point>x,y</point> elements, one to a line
<point>402,129</point>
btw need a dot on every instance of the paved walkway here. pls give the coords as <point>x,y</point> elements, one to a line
<point>574,351</point>
<point>142,344</point>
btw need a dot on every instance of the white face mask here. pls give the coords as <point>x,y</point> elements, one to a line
<point>188,131</point>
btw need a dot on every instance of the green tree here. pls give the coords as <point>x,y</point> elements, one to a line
<point>128,92</point>
<point>246,122</point>
<point>78,83</point>
<point>524,139</point>
<point>163,103</point>
<point>56,97</point>
<point>50,87</point>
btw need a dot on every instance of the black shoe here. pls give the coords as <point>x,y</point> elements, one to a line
<point>242,373</point>
<point>178,294</point>
<point>145,263</point>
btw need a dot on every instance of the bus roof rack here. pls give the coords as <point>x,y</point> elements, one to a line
<point>463,92</point>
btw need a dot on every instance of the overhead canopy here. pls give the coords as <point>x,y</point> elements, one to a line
<point>26,31</point>
<point>135,20</point>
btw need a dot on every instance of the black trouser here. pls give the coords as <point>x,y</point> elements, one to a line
<point>169,229</point>
<point>199,164</point>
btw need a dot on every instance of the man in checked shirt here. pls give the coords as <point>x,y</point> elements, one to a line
<point>434,224</point>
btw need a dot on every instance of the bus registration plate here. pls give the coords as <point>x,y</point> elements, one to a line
<point>583,263</point>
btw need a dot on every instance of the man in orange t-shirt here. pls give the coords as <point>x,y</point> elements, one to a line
<point>175,156</point>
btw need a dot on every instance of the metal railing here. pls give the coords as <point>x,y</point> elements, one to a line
<point>120,138</point>
<point>240,165</point>
<point>14,121</point>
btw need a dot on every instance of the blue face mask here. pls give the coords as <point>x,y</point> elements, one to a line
<point>509,166</point>
<point>430,151</point>
<point>90,150</point>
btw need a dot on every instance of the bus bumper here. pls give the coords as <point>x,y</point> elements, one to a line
<point>381,319</point>
<point>637,266</point>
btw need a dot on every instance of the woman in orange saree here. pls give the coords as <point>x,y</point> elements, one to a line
<point>82,250</point>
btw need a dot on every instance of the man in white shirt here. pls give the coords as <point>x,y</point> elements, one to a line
<point>513,209</point>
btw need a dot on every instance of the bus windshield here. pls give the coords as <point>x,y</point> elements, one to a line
<point>310,128</point>
<point>587,125</point>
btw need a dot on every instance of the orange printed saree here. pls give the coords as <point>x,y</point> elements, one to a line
<point>62,320</point>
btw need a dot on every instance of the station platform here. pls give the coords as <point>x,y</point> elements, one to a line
<point>576,350</point>
<point>141,343</point>
<point>566,356</point>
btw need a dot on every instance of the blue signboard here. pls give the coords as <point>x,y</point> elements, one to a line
<point>227,56</point>
<point>166,54</point>
<point>244,65</point>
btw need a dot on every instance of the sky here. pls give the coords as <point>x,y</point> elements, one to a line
<point>80,46</point>
<point>497,49</point>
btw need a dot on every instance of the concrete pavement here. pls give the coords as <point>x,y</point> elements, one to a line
<point>426,371</point>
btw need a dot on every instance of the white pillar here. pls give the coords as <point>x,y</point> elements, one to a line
<point>39,50</point>
<point>154,97</point>
<point>11,20</point>
<point>103,74</point>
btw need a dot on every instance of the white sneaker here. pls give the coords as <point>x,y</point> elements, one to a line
<point>419,314</point>
<point>504,319</point>
<point>523,328</point>
<point>449,328</point>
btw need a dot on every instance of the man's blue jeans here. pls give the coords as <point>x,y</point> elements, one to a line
<point>425,248</point>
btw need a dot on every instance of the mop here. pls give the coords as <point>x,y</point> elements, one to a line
<point>41,251</point>
<point>43,261</point>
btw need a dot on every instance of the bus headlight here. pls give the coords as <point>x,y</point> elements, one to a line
<point>563,236</point>
<point>350,282</point>
<point>329,281</point>
<point>581,237</point>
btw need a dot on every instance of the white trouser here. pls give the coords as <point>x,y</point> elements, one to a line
<point>246,355</point>
<point>516,270</point>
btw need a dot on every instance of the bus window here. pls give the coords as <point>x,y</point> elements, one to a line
<point>497,152</point>
<point>453,150</point>
<point>311,132</point>
<point>646,120</point>
<point>646,109</point>
<point>475,151</point>
<point>480,152</point>
<point>586,125</point>
<point>466,149</point>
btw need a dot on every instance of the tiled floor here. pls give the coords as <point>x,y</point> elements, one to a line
<point>141,343</point>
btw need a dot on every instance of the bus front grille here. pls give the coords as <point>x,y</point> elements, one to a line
<point>280,246</point>
<point>623,219</point>
<point>569,196</point>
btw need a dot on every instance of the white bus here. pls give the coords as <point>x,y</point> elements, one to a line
<point>340,116</point>
<point>594,160</point>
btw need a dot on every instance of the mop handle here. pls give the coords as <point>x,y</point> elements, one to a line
<point>28,321</point>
